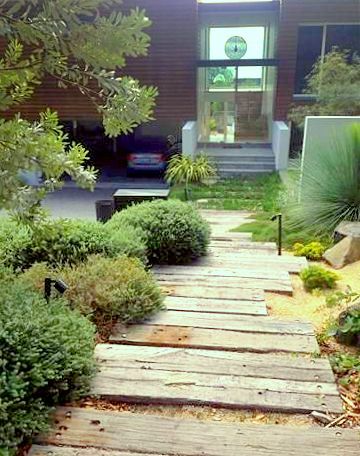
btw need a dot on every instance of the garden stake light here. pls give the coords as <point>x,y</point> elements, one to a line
<point>279,243</point>
<point>59,285</point>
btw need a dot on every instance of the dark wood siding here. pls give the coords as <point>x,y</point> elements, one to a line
<point>170,65</point>
<point>293,13</point>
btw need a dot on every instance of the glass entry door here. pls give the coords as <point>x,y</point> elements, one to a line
<point>235,103</point>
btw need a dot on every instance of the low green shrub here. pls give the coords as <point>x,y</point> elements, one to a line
<point>105,288</point>
<point>312,251</point>
<point>175,231</point>
<point>46,358</point>
<point>66,242</point>
<point>317,277</point>
<point>345,366</point>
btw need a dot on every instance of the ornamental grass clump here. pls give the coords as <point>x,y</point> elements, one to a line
<point>46,358</point>
<point>185,170</point>
<point>329,188</point>
<point>175,232</point>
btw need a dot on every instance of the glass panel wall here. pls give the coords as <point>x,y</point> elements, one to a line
<point>236,103</point>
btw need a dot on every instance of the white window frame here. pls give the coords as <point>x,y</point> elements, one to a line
<point>324,25</point>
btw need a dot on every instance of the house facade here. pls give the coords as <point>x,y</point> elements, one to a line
<point>234,69</point>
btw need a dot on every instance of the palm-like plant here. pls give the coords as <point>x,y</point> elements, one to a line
<point>330,186</point>
<point>185,170</point>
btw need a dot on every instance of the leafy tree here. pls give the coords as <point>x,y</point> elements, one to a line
<point>335,81</point>
<point>78,43</point>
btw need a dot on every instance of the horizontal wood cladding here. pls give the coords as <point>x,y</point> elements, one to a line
<point>292,14</point>
<point>170,66</point>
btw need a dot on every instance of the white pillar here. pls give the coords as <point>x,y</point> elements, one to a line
<point>281,144</point>
<point>189,138</point>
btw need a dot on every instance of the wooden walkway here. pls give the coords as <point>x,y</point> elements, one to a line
<point>214,345</point>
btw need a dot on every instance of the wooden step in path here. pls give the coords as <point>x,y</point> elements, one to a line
<point>84,432</point>
<point>243,245</point>
<point>261,278</point>
<point>250,261</point>
<point>219,332</point>
<point>220,306</point>
<point>235,283</point>
<point>188,290</point>
<point>233,380</point>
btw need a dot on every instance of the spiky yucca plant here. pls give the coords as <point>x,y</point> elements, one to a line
<point>183,169</point>
<point>329,189</point>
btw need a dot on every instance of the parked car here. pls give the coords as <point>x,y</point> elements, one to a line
<point>151,154</point>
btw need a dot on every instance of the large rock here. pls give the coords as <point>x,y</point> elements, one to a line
<point>345,229</point>
<point>344,252</point>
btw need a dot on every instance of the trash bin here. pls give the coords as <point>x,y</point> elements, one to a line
<point>104,210</point>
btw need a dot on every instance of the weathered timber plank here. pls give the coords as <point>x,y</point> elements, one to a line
<point>237,244</point>
<point>242,323</point>
<point>223,213</point>
<point>235,272</point>
<point>243,251</point>
<point>275,285</point>
<point>171,436</point>
<point>203,291</point>
<point>253,262</point>
<point>285,258</point>
<point>50,450</point>
<point>280,366</point>
<point>215,305</point>
<point>231,237</point>
<point>213,339</point>
<point>169,387</point>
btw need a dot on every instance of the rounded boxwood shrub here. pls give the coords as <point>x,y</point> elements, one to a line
<point>105,288</point>
<point>46,358</point>
<point>66,241</point>
<point>175,231</point>
<point>317,277</point>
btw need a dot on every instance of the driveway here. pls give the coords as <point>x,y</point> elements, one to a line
<point>72,202</point>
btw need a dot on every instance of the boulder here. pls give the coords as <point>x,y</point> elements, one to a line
<point>345,229</point>
<point>344,252</point>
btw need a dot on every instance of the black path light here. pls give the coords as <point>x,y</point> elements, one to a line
<point>59,286</point>
<point>278,217</point>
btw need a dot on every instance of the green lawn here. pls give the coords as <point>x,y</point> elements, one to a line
<point>262,196</point>
<point>251,194</point>
<point>264,230</point>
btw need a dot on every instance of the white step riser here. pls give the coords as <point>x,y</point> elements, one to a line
<point>245,172</point>
<point>242,159</point>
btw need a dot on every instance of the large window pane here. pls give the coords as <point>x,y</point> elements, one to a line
<point>345,37</point>
<point>220,78</point>
<point>309,50</point>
